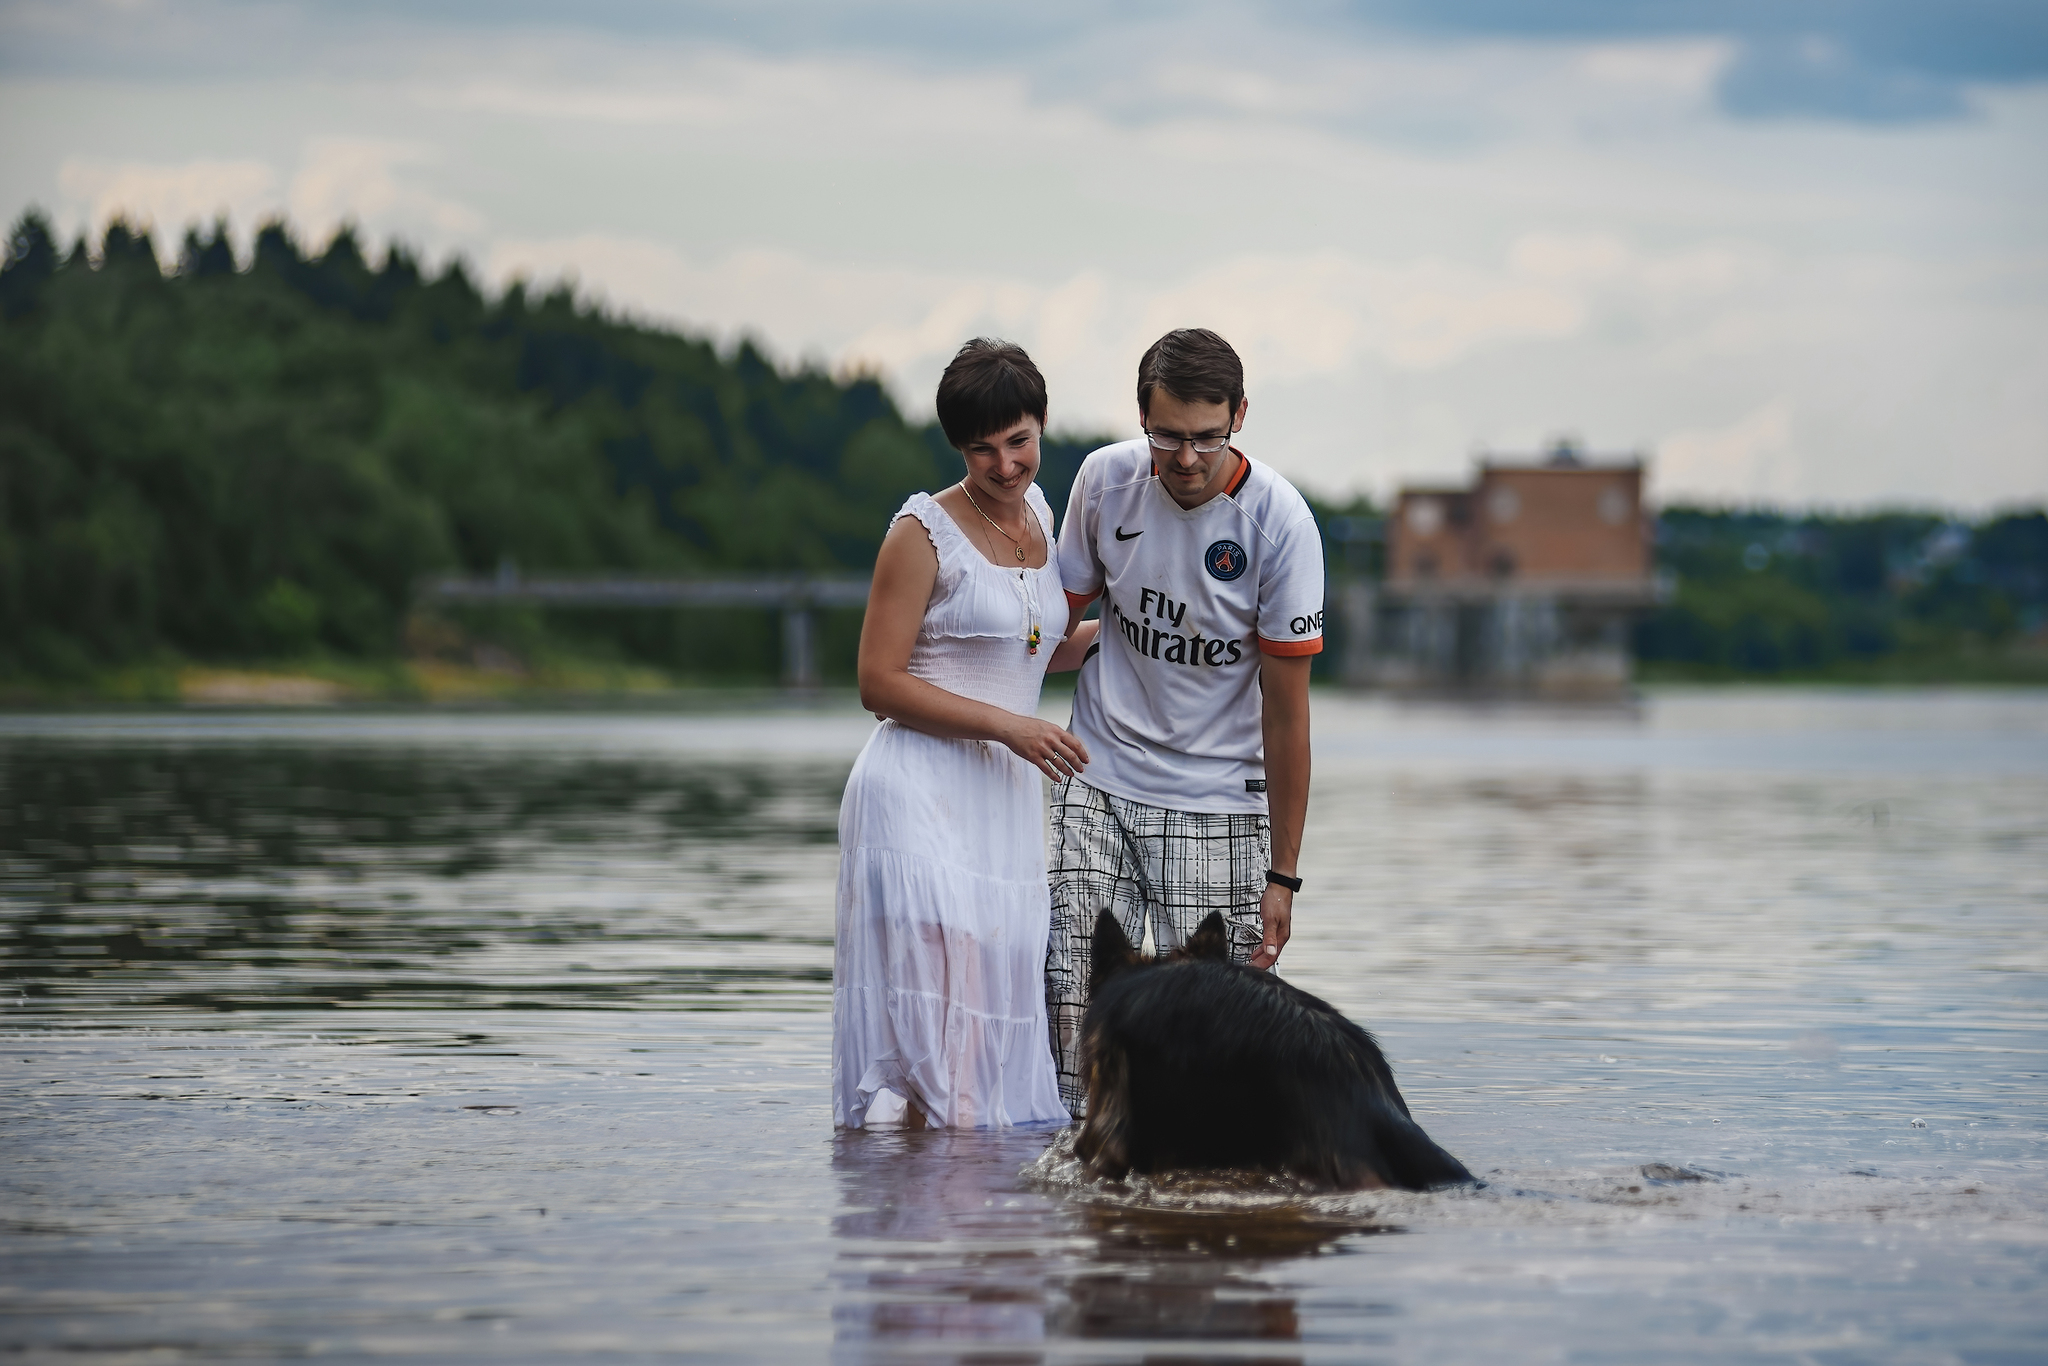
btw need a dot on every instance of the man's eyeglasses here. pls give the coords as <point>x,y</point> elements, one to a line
<point>1204,445</point>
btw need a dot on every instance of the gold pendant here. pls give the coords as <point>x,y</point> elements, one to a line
<point>1020,552</point>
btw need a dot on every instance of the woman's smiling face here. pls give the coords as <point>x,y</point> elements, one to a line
<point>1004,462</point>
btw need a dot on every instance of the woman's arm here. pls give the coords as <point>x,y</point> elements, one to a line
<point>905,572</point>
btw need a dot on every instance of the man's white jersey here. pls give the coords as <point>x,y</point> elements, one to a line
<point>1169,703</point>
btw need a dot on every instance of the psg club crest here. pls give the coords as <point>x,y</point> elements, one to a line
<point>1225,560</point>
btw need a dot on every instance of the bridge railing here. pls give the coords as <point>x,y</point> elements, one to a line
<point>796,596</point>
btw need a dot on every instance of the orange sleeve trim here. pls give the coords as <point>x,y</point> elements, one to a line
<point>1082,599</point>
<point>1289,648</point>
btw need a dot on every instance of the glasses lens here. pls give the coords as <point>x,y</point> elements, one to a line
<point>1204,445</point>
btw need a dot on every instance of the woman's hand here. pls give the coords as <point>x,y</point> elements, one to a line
<point>1046,747</point>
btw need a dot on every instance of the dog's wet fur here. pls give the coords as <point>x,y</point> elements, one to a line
<point>1194,1062</point>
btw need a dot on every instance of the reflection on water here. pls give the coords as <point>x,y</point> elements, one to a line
<point>227,878</point>
<point>926,1253</point>
<point>939,1249</point>
<point>506,1038</point>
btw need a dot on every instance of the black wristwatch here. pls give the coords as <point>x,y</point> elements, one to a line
<point>1292,884</point>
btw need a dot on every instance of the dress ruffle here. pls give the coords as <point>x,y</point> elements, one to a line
<point>939,986</point>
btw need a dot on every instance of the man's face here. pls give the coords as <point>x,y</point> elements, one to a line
<point>1191,476</point>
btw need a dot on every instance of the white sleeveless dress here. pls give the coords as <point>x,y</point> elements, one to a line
<point>938,980</point>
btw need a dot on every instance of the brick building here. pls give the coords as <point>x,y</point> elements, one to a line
<point>1524,581</point>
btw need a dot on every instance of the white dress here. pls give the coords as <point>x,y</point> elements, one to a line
<point>938,981</point>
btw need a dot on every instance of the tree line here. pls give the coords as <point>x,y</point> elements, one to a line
<point>227,460</point>
<point>1902,594</point>
<point>238,461</point>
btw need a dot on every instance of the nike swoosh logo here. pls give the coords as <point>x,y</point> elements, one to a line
<point>1123,535</point>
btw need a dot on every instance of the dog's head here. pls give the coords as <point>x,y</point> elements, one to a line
<point>1113,951</point>
<point>1104,1141</point>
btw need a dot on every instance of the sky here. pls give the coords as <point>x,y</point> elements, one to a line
<point>1791,252</point>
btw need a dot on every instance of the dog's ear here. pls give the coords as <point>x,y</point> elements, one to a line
<point>1111,952</point>
<point>1210,940</point>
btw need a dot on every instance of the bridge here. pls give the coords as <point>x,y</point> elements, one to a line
<point>795,596</point>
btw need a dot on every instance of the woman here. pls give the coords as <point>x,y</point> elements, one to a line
<point>938,998</point>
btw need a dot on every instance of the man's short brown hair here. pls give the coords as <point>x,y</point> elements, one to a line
<point>989,386</point>
<point>1195,366</point>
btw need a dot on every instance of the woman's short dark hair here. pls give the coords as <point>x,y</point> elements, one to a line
<point>991,385</point>
<point>1195,366</point>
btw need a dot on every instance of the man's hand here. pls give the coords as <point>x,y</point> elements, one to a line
<point>1276,921</point>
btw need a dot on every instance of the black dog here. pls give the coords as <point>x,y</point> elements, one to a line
<point>1193,1061</point>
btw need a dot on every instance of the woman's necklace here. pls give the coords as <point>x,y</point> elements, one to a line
<point>992,521</point>
<point>1030,597</point>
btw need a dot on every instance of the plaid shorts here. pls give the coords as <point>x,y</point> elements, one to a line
<point>1140,861</point>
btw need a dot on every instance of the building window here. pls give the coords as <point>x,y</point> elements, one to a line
<point>1503,503</point>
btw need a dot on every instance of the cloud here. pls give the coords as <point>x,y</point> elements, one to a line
<point>1752,459</point>
<point>165,197</point>
<point>1815,75</point>
<point>1317,314</point>
<point>338,180</point>
<point>344,180</point>
<point>1879,61</point>
<point>1313,328</point>
<point>1859,61</point>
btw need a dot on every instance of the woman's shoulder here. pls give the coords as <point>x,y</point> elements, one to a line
<point>940,528</point>
<point>1035,499</point>
<point>924,509</point>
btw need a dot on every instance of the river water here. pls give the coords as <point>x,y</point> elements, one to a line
<point>505,1037</point>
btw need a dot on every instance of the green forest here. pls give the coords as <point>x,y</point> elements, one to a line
<point>1905,596</point>
<point>244,462</point>
<point>252,463</point>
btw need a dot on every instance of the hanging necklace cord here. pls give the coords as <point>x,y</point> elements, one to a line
<point>1031,641</point>
<point>992,521</point>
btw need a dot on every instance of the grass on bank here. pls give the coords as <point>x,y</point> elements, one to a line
<point>2021,665</point>
<point>560,678</point>
<point>328,682</point>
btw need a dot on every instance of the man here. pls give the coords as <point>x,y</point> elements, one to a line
<point>1193,706</point>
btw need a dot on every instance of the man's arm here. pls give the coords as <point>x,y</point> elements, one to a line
<point>1283,685</point>
<point>1073,651</point>
<point>1078,564</point>
<point>1079,636</point>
